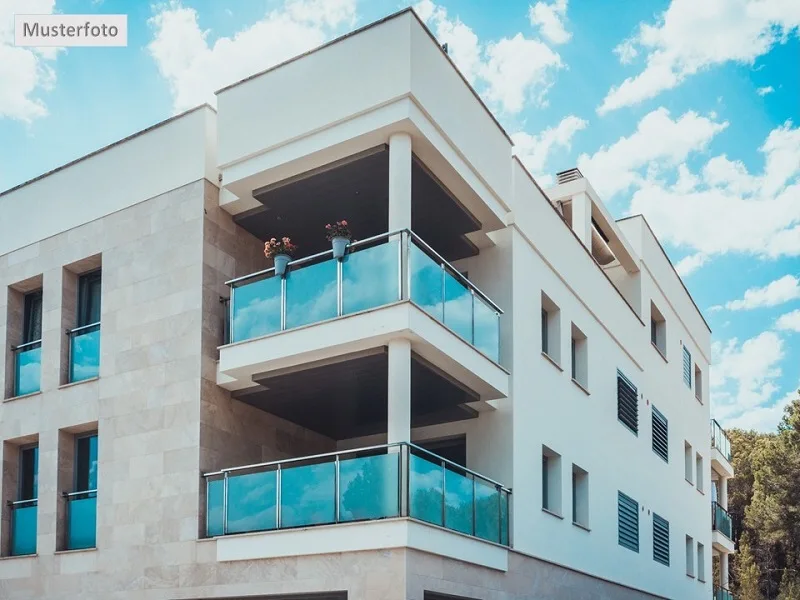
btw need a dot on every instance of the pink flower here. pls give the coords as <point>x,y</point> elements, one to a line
<point>344,223</point>
<point>328,226</point>
<point>272,241</point>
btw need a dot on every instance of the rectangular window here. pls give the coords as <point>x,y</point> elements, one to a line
<point>658,330</point>
<point>688,462</point>
<point>660,540</point>
<point>628,518</point>
<point>701,562</point>
<point>689,556</point>
<point>687,367</point>
<point>698,383</point>
<point>627,403</point>
<point>32,326</point>
<point>29,473</point>
<point>551,329</point>
<point>86,463</point>
<point>89,298</point>
<point>580,358</point>
<point>551,481</point>
<point>580,496</point>
<point>699,473</point>
<point>660,435</point>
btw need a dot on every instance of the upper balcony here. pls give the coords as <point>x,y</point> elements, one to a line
<point>722,529</point>
<point>721,456</point>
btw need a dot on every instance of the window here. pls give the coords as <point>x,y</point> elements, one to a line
<point>29,473</point>
<point>689,556</point>
<point>32,326</point>
<point>701,562</point>
<point>580,496</point>
<point>551,481</point>
<point>580,358</point>
<point>660,435</point>
<point>658,330</point>
<point>660,540</point>
<point>699,473</point>
<point>627,403</point>
<point>687,458</point>
<point>628,516</point>
<point>89,298</point>
<point>551,329</point>
<point>86,463</point>
<point>687,367</point>
<point>698,383</point>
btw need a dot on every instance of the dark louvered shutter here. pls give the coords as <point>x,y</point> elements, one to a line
<point>627,403</point>
<point>628,514</point>
<point>660,540</point>
<point>660,435</point>
<point>687,367</point>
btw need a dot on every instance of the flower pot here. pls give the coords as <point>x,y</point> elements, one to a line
<point>339,245</point>
<point>281,260</point>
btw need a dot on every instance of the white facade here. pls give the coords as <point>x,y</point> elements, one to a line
<point>391,86</point>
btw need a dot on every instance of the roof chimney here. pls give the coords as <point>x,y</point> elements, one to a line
<point>568,175</point>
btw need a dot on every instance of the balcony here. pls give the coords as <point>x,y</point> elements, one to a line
<point>721,520</point>
<point>23,527</point>
<point>367,484</point>
<point>721,456</point>
<point>27,368</point>
<point>721,593</point>
<point>319,288</point>
<point>81,530</point>
<point>84,352</point>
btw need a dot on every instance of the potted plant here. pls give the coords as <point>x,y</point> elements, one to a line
<point>281,252</point>
<point>339,236</point>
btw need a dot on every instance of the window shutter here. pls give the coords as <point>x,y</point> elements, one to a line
<point>687,367</point>
<point>627,403</point>
<point>660,435</point>
<point>660,540</point>
<point>628,514</point>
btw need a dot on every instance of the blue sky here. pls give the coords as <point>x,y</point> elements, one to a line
<point>685,111</point>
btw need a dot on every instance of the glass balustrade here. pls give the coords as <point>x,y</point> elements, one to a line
<point>721,593</point>
<point>27,368</point>
<point>721,520</point>
<point>720,441</point>
<point>84,352</point>
<point>81,520</point>
<point>23,527</point>
<point>369,276</point>
<point>358,485</point>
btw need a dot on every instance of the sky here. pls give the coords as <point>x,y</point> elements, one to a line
<point>685,111</point>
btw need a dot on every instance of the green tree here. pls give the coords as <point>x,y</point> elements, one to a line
<point>748,574</point>
<point>790,585</point>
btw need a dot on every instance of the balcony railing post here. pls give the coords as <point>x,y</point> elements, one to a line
<point>225,503</point>
<point>339,288</point>
<point>278,498</point>
<point>444,494</point>
<point>231,304</point>
<point>283,303</point>
<point>404,487</point>
<point>336,489</point>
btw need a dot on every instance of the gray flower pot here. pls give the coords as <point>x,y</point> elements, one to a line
<point>281,260</point>
<point>339,245</point>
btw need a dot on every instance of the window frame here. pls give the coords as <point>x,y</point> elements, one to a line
<point>86,283</point>
<point>21,483</point>
<point>29,328</point>
<point>77,466</point>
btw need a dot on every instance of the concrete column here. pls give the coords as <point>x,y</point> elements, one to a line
<point>582,218</point>
<point>399,181</point>
<point>723,569</point>
<point>398,427</point>
<point>723,492</point>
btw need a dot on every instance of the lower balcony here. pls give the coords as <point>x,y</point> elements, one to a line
<point>23,527</point>
<point>81,531</point>
<point>84,352</point>
<point>721,593</point>
<point>366,484</point>
<point>27,368</point>
<point>722,529</point>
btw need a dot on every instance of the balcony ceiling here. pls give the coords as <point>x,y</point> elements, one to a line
<point>357,189</point>
<point>348,399</point>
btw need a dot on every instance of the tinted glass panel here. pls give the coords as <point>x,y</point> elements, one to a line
<point>368,487</point>
<point>33,317</point>
<point>89,298</point>
<point>29,473</point>
<point>86,464</point>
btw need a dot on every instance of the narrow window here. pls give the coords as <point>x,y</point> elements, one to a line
<point>628,520</point>
<point>658,330</point>
<point>580,358</point>
<point>689,556</point>
<point>580,496</point>
<point>698,383</point>
<point>551,481</point>
<point>627,403</point>
<point>660,435</point>
<point>688,464</point>
<point>545,345</point>
<point>701,562</point>
<point>687,367</point>
<point>699,473</point>
<point>32,329</point>
<point>29,473</point>
<point>28,355</point>
<point>89,298</point>
<point>86,463</point>
<point>551,329</point>
<point>660,540</point>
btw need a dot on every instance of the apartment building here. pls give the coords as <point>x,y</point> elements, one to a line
<point>496,392</point>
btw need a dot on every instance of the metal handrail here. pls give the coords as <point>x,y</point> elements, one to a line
<point>70,495</point>
<point>340,453</point>
<point>28,502</point>
<point>425,246</point>
<point>82,328</point>
<point>26,345</point>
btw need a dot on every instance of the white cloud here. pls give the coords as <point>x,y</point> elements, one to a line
<point>763,91</point>
<point>744,380</point>
<point>658,139</point>
<point>508,73</point>
<point>789,322</point>
<point>762,418</point>
<point>691,263</point>
<point>726,208</point>
<point>195,69</point>
<point>549,18</point>
<point>626,51</point>
<point>785,289</point>
<point>691,36</point>
<point>24,72</point>
<point>534,150</point>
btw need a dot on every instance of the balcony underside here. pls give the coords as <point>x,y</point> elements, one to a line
<point>357,189</point>
<point>347,397</point>
<point>722,543</point>
<point>720,463</point>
